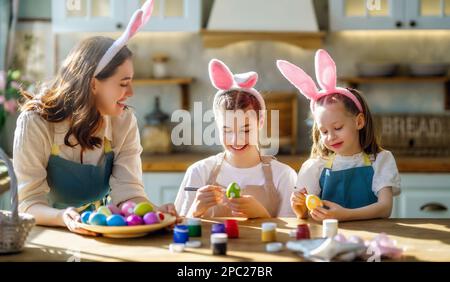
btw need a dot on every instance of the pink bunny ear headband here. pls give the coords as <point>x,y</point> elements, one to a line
<point>139,19</point>
<point>224,81</point>
<point>326,77</point>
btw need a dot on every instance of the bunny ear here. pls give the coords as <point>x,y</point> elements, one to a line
<point>299,79</point>
<point>220,75</point>
<point>147,8</point>
<point>134,24</point>
<point>325,70</point>
<point>246,80</point>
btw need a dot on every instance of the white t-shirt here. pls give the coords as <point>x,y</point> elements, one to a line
<point>197,175</point>
<point>384,166</point>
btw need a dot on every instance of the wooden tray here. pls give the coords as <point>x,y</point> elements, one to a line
<point>129,231</point>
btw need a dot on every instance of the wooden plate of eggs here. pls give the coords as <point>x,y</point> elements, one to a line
<point>131,221</point>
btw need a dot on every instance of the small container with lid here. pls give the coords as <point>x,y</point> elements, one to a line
<point>269,232</point>
<point>219,243</point>
<point>329,228</point>
<point>180,234</point>
<point>232,228</point>
<point>194,226</point>
<point>303,232</point>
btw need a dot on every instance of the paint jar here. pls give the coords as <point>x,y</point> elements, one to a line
<point>218,228</point>
<point>303,232</point>
<point>219,244</point>
<point>180,234</point>
<point>329,228</point>
<point>194,226</point>
<point>232,228</point>
<point>269,232</point>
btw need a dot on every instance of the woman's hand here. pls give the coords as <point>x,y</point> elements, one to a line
<point>206,197</point>
<point>298,203</point>
<point>334,211</point>
<point>71,217</point>
<point>247,206</point>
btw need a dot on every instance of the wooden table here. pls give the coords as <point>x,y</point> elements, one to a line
<point>422,239</point>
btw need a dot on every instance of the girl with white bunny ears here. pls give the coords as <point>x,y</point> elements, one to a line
<point>266,183</point>
<point>347,169</point>
<point>76,146</point>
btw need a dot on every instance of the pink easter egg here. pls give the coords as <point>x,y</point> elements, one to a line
<point>134,220</point>
<point>114,209</point>
<point>151,218</point>
<point>128,208</point>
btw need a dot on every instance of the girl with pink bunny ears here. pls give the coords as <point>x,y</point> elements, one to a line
<point>355,178</point>
<point>266,184</point>
<point>76,146</point>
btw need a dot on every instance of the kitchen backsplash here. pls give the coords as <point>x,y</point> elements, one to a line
<point>189,58</point>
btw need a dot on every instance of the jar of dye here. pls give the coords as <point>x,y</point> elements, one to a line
<point>219,243</point>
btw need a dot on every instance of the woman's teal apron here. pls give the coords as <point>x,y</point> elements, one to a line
<point>82,186</point>
<point>351,188</point>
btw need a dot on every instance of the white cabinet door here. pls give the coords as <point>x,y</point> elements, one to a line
<point>366,14</point>
<point>171,15</point>
<point>428,14</point>
<point>424,196</point>
<point>89,15</point>
<point>162,188</point>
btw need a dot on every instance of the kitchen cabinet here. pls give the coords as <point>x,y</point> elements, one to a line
<point>113,15</point>
<point>162,187</point>
<point>389,14</point>
<point>423,196</point>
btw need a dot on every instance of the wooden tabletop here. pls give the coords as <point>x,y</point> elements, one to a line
<point>181,161</point>
<point>422,240</point>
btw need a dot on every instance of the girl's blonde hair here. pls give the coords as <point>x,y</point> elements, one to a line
<point>69,95</point>
<point>368,138</point>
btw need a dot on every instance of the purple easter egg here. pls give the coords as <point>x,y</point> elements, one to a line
<point>114,209</point>
<point>128,208</point>
<point>134,220</point>
<point>151,218</point>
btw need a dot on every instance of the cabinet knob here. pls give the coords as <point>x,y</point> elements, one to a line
<point>433,207</point>
<point>119,25</point>
<point>398,24</point>
<point>412,23</point>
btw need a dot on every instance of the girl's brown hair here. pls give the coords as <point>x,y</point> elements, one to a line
<point>237,100</point>
<point>69,95</point>
<point>367,136</point>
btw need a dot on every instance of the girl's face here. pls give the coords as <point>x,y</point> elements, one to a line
<point>238,131</point>
<point>339,129</point>
<point>111,94</point>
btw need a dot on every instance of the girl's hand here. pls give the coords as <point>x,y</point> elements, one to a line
<point>70,218</point>
<point>170,209</point>
<point>205,198</point>
<point>334,211</point>
<point>247,206</point>
<point>298,203</point>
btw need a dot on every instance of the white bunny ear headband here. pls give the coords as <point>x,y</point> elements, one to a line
<point>139,19</point>
<point>326,77</point>
<point>224,81</point>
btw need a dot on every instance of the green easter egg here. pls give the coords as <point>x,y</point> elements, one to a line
<point>143,208</point>
<point>233,190</point>
<point>104,210</point>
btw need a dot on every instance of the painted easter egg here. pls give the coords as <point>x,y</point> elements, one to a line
<point>116,220</point>
<point>143,208</point>
<point>114,209</point>
<point>151,218</point>
<point>233,190</point>
<point>312,202</point>
<point>134,220</point>
<point>128,208</point>
<point>161,216</point>
<point>85,217</point>
<point>97,219</point>
<point>104,210</point>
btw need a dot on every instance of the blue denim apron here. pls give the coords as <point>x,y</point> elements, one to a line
<point>351,188</point>
<point>83,186</point>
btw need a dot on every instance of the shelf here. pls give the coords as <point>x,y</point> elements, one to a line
<point>218,39</point>
<point>355,81</point>
<point>182,82</point>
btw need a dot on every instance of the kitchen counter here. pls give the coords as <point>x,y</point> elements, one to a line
<point>422,240</point>
<point>181,161</point>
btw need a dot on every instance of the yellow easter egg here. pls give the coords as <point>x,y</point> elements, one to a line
<point>312,202</point>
